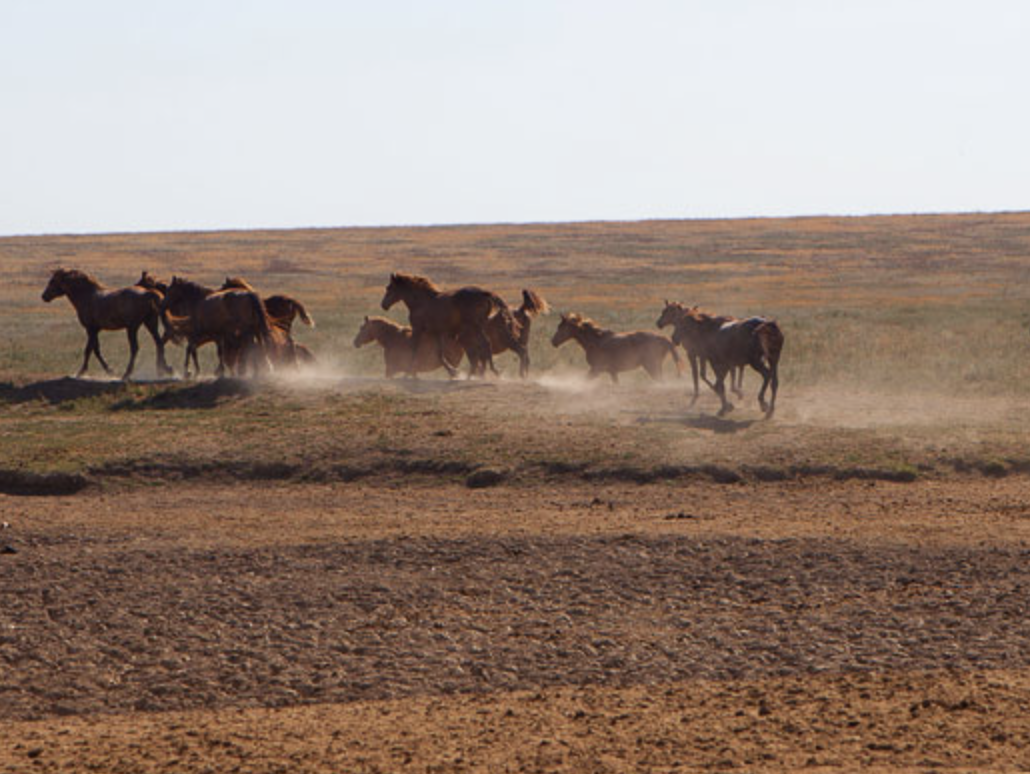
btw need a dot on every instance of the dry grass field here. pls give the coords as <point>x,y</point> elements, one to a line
<point>329,571</point>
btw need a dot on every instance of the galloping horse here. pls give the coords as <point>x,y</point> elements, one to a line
<point>671,315</point>
<point>203,315</point>
<point>282,310</point>
<point>100,309</point>
<point>497,326</point>
<point>457,314</point>
<point>611,353</point>
<point>756,342</point>
<point>396,341</point>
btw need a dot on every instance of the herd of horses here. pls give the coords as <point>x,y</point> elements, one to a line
<point>254,334</point>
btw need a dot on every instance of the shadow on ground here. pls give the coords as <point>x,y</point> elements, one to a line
<point>717,425</point>
<point>56,391</point>
<point>175,394</point>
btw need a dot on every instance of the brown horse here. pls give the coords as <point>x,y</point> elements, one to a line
<point>396,341</point>
<point>671,315</point>
<point>611,353</point>
<point>203,315</point>
<point>100,309</point>
<point>460,314</point>
<point>282,310</point>
<point>756,342</point>
<point>497,326</point>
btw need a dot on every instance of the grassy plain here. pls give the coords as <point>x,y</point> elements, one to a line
<point>907,347</point>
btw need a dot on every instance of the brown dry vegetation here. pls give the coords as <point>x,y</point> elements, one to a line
<point>332,572</point>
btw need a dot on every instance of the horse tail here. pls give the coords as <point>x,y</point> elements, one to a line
<point>303,313</point>
<point>264,326</point>
<point>770,339</point>
<point>533,304</point>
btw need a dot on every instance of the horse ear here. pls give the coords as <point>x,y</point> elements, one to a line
<point>366,318</point>
<point>393,276</point>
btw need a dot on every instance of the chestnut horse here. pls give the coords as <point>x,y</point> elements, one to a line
<point>671,314</point>
<point>460,314</point>
<point>611,353</point>
<point>203,314</point>
<point>396,341</point>
<point>282,310</point>
<point>100,309</point>
<point>496,326</point>
<point>756,342</point>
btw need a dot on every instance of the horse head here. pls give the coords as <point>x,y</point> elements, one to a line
<point>566,329</point>
<point>673,312</point>
<point>393,292</point>
<point>55,288</point>
<point>366,334</point>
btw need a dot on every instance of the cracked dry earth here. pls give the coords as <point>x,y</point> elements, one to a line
<point>776,627</point>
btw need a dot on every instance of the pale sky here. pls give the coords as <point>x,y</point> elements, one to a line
<point>144,115</point>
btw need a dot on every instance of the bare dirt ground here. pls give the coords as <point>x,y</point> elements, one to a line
<point>572,627</point>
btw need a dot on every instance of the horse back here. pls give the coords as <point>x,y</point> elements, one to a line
<point>122,307</point>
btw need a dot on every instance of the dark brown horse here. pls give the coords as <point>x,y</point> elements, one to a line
<point>396,342</point>
<point>671,315</point>
<point>756,342</point>
<point>223,316</point>
<point>282,310</point>
<point>100,309</point>
<point>611,353</point>
<point>457,314</point>
<point>497,327</point>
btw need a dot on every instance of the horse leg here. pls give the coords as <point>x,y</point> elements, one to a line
<point>86,353</point>
<point>737,381</point>
<point>190,350</point>
<point>163,369</point>
<point>770,378</point>
<point>133,351</point>
<point>720,390</point>
<point>96,351</point>
<point>487,355</point>
<point>220,370</point>
<point>615,376</point>
<point>693,373</point>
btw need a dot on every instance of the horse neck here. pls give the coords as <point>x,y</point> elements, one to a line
<point>80,290</point>
<point>587,338</point>
<point>191,294</point>
<point>417,295</point>
<point>389,335</point>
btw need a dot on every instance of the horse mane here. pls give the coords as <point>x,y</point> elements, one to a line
<point>236,283</point>
<point>586,324</point>
<point>76,277</point>
<point>533,304</point>
<point>189,288</point>
<point>706,319</point>
<point>415,281</point>
<point>386,322</point>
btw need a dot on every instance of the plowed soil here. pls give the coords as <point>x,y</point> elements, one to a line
<point>429,627</point>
